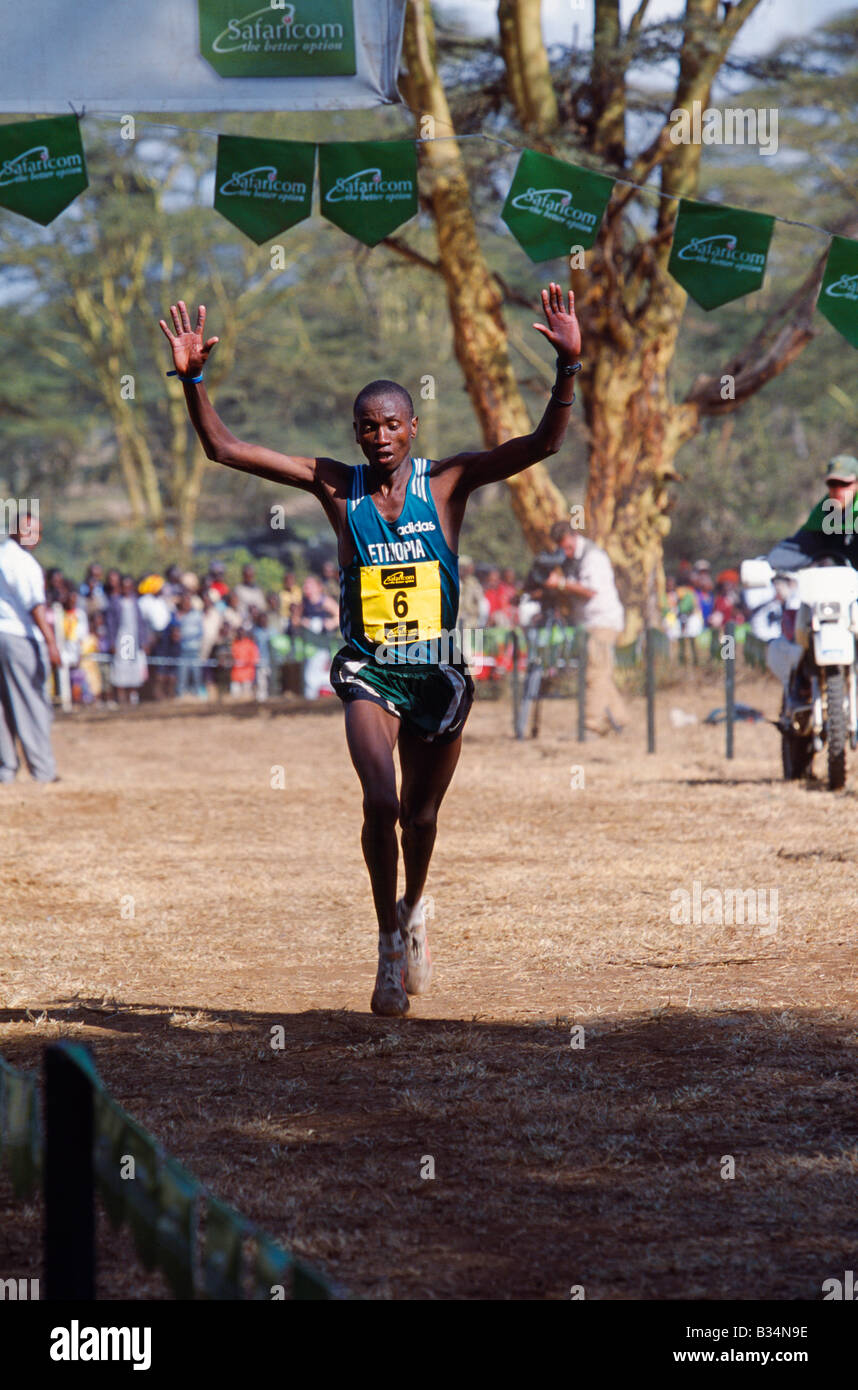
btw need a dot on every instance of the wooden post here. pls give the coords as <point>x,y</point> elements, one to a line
<point>730,683</point>
<point>582,684</point>
<point>68,1179</point>
<point>649,646</point>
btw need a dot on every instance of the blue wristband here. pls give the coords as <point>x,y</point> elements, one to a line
<point>186,378</point>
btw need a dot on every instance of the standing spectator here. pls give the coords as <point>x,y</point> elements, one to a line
<point>272,608</point>
<point>222,657</point>
<point>92,590</point>
<point>127,639</point>
<point>248,592</point>
<point>473,608</point>
<point>191,585</point>
<point>262,638</point>
<point>215,582</point>
<point>25,710</point>
<point>89,667</point>
<point>319,612</point>
<point>728,606</point>
<point>158,616</point>
<point>230,612</point>
<point>499,597</point>
<point>190,621</point>
<point>331,580</point>
<point>509,584</point>
<point>588,575</point>
<point>55,585</point>
<point>173,586</point>
<point>704,588</point>
<point>245,658</point>
<point>74,635</point>
<point>112,585</point>
<point>290,594</point>
<point>211,632</point>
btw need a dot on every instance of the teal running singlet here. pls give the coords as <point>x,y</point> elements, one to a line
<point>402,586</point>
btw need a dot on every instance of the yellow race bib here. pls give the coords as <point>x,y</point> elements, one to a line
<point>401,603</point>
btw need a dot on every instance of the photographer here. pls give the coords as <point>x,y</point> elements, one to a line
<point>578,580</point>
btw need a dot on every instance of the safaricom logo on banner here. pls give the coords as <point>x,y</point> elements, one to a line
<point>37,164</point>
<point>556,205</point>
<point>367,186</point>
<point>263,182</point>
<point>844,288</point>
<point>260,32</point>
<point>721,251</point>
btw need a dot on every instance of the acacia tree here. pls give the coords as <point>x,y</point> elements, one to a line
<point>96,285</point>
<point>630,308</point>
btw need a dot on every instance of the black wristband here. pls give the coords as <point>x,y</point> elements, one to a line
<point>567,369</point>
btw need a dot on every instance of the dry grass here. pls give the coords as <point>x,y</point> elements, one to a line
<point>554,1165</point>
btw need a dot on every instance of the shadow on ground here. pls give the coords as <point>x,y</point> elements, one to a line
<point>554,1165</point>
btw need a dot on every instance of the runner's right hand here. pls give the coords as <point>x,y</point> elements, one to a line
<point>190,353</point>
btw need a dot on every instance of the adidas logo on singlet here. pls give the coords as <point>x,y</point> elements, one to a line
<point>412,527</point>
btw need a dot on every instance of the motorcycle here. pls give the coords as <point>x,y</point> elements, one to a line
<point>816,667</point>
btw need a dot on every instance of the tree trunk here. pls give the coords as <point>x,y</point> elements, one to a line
<point>479,333</point>
<point>607,96</point>
<point>631,312</point>
<point>526,61</point>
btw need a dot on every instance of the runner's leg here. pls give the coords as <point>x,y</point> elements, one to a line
<point>427,769</point>
<point>371,735</point>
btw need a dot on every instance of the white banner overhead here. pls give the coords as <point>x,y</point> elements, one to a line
<point>129,56</point>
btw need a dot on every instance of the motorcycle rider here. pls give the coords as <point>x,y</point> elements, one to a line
<point>830,529</point>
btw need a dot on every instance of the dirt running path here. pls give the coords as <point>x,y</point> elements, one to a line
<point>171,902</point>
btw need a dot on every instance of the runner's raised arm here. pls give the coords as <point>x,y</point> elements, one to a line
<point>477,468</point>
<point>190,354</point>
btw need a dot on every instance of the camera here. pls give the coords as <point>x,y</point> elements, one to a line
<point>544,566</point>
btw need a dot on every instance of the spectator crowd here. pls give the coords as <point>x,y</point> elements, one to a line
<point>192,636</point>
<point>697,602</point>
<point>183,634</point>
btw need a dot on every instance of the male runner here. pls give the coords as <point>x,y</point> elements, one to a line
<point>397,520</point>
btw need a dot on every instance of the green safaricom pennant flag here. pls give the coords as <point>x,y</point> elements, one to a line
<point>838,294</point>
<point>719,253</point>
<point>368,188</point>
<point>42,167</point>
<point>298,38</point>
<point>552,207</point>
<point>263,186</point>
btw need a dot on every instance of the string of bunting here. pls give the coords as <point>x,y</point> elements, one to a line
<point>161,1202</point>
<point>368,188</point>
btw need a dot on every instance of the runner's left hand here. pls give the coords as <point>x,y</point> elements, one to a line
<point>563,331</point>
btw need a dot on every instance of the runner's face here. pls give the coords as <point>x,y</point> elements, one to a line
<point>384,432</point>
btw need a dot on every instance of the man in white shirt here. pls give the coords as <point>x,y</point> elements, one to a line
<point>587,577</point>
<point>25,634</point>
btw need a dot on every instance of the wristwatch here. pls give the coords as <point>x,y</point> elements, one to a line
<point>567,369</point>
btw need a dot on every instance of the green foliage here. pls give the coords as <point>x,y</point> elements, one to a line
<point>269,573</point>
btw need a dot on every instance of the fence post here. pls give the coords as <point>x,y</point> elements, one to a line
<point>730,682</point>
<point>582,685</point>
<point>649,648</point>
<point>68,1179</point>
<point>516,682</point>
